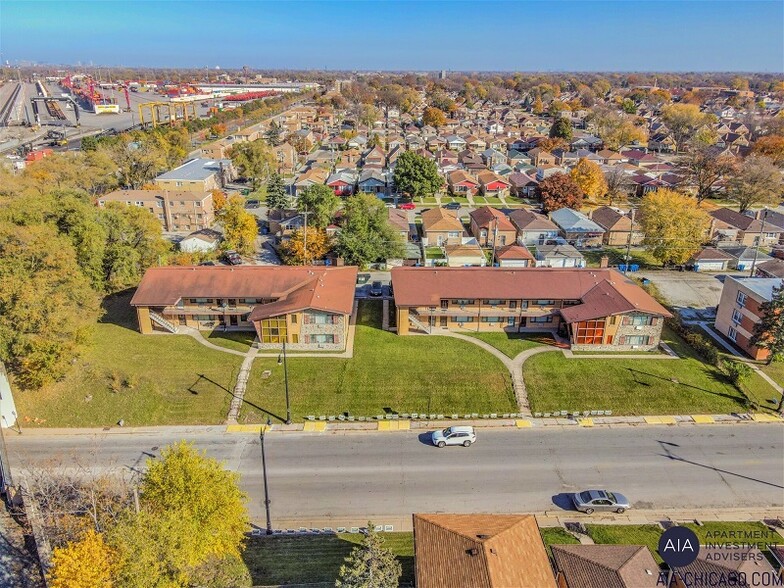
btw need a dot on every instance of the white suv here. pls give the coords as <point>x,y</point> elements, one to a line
<point>464,436</point>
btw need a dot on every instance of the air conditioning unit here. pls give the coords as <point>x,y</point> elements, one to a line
<point>638,328</point>
<point>635,346</point>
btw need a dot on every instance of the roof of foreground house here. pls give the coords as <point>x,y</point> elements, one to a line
<point>480,551</point>
<point>294,288</point>
<point>606,566</point>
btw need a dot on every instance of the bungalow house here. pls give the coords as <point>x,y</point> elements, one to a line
<point>662,143</point>
<point>480,551</point>
<point>492,227</point>
<point>492,157</point>
<point>492,184</point>
<point>514,157</point>
<point>710,259</point>
<point>594,308</point>
<point>728,226</point>
<point>465,255</point>
<point>200,241</point>
<point>306,307</point>
<point>577,228</point>
<point>521,185</point>
<point>589,142</point>
<point>563,255</point>
<point>605,566</point>
<point>444,157</point>
<point>313,176</point>
<point>532,228</point>
<point>440,227</point>
<point>617,226</point>
<point>373,181</point>
<point>374,157</point>
<point>772,268</point>
<point>514,256</point>
<point>342,183</point>
<point>476,144</point>
<point>455,143</point>
<point>611,157</point>
<point>400,222</point>
<point>461,182</point>
<point>541,157</point>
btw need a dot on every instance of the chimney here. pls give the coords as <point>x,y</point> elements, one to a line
<point>604,262</point>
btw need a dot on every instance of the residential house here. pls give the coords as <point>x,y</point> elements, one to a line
<point>197,175</point>
<point>611,157</point>
<point>461,183</point>
<point>310,177</point>
<point>200,241</point>
<point>490,227</point>
<point>742,258</point>
<point>306,307</point>
<point>772,268</point>
<point>286,156</point>
<point>342,183</point>
<point>662,143</point>
<point>455,143</point>
<point>440,227</point>
<point>541,157</point>
<point>480,551</point>
<point>577,228</point>
<point>514,256</point>
<point>373,181</point>
<point>739,310</point>
<point>728,226</point>
<point>617,226</point>
<point>522,185</point>
<point>558,255</point>
<point>532,228</point>
<point>492,184</point>
<point>465,255</point>
<point>399,220</point>
<point>593,308</point>
<point>604,566</point>
<point>476,144</point>
<point>738,564</point>
<point>176,210</point>
<point>375,158</point>
<point>492,157</point>
<point>216,149</point>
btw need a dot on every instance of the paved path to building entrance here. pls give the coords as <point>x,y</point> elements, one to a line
<point>239,387</point>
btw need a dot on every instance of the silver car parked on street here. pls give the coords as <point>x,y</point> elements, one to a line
<point>591,501</point>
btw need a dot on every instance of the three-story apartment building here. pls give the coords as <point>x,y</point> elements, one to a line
<point>739,310</point>
<point>176,210</point>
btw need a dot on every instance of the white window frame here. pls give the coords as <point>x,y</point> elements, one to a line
<point>732,334</point>
<point>741,298</point>
<point>737,317</point>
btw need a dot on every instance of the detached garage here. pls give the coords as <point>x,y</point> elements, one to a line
<point>711,260</point>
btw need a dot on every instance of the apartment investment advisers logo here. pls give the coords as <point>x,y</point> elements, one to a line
<point>678,546</point>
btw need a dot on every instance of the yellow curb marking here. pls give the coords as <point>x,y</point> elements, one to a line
<point>585,422</point>
<point>315,427</point>
<point>394,425</point>
<point>660,420</point>
<point>766,418</point>
<point>702,419</point>
<point>523,424</point>
<point>246,428</point>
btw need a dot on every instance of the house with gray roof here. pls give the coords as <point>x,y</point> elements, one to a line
<point>558,256</point>
<point>577,228</point>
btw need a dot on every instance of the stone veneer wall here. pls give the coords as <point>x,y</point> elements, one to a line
<point>338,329</point>
<point>652,331</point>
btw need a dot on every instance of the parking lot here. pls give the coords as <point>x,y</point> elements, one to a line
<point>695,295</point>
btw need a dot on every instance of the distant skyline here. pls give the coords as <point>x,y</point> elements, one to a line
<point>623,35</point>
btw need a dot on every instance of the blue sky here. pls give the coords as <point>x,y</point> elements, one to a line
<point>624,35</point>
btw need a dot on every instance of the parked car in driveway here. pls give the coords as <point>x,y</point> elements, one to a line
<point>452,206</point>
<point>376,289</point>
<point>406,206</point>
<point>591,501</point>
<point>233,257</point>
<point>461,435</point>
<point>363,278</point>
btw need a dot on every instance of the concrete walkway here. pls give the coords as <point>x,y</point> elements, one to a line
<point>239,387</point>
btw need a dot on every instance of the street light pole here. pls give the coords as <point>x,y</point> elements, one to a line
<point>266,484</point>
<point>286,382</point>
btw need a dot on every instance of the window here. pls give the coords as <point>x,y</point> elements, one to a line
<point>510,321</point>
<point>732,334</point>
<point>178,183</point>
<point>491,319</point>
<point>454,234</point>
<point>493,302</point>
<point>639,320</point>
<point>322,338</point>
<point>545,302</point>
<point>461,319</point>
<point>273,330</point>
<point>741,299</point>
<point>636,340</point>
<point>541,319</point>
<point>736,316</point>
<point>464,302</point>
<point>293,319</point>
<point>249,300</point>
<point>171,202</point>
<point>589,332</point>
<point>445,304</point>
<point>159,204</point>
<point>198,203</point>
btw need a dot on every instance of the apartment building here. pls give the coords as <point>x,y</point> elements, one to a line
<point>596,309</point>
<point>307,307</point>
<point>197,175</point>
<point>178,211</point>
<point>739,310</point>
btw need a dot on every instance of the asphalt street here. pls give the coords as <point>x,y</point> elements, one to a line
<point>395,474</point>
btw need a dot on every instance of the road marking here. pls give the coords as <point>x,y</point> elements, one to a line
<point>246,428</point>
<point>766,418</point>
<point>394,425</point>
<point>585,422</point>
<point>703,419</point>
<point>523,424</point>
<point>660,420</point>
<point>315,426</point>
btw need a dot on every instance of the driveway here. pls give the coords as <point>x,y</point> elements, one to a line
<point>694,295</point>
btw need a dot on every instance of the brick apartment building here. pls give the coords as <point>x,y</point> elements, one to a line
<point>178,211</point>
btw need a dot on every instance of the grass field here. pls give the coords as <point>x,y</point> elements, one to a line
<point>388,373</point>
<point>647,535</point>
<point>511,344</point>
<point>628,386</point>
<point>316,559</point>
<point>237,340</point>
<point>142,379</point>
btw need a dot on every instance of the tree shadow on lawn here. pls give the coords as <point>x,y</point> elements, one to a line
<point>117,310</point>
<point>717,378</point>
<point>192,389</point>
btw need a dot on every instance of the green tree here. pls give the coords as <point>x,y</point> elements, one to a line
<point>370,565</point>
<point>277,199</point>
<point>683,120</point>
<point>561,129</point>
<point>416,175</point>
<point>47,306</point>
<point>366,234</point>
<point>674,225</point>
<point>628,106</point>
<point>273,134</point>
<point>239,227</point>
<point>138,160</point>
<point>560,191</point>
<point>254,161</point>
<point>757,182</point>
<point>321,204</point>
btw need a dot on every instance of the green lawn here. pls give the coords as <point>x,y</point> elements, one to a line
<point>434,253</point>
<point>628,535</point>
<point>157,380</point>
<point>387,373</point>
<point>315,559</point>
<point>617,255</point>
<point>237,340</point>
<point>775,370</point>
<point>493,200</point>
<point>556,536</point>
<point>511,344</point>
<point>628,386</point>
